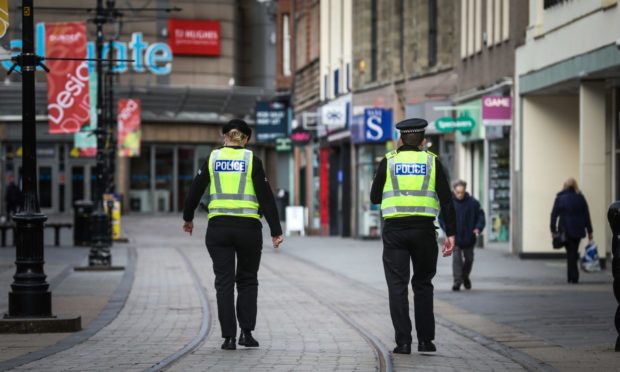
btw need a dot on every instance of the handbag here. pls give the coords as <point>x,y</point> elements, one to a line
<point>559,240</point>
<point>590,261</point>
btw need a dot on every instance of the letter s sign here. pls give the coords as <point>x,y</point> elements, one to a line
<point>377,125</point>
<point>374,132</point>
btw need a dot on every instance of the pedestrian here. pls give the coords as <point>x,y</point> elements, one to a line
<point>470,222</point>
<point>571,208</point>
<point>411,186</point>
<point>238,193</point>
<point>14,197</point>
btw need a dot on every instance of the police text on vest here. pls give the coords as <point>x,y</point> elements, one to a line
<point>231,166</point>
<point>410,169</point>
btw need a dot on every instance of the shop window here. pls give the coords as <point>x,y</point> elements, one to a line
<point>186,174</point>
<point>140,181</point>
<point>336,82</point>
<point>164,171</point>
<point>45,187</point>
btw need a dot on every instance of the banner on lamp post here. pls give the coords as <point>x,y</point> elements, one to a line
<point>85,140</point>
<point>68,105</point>
<point>129,131</point>
<point>4,17</point>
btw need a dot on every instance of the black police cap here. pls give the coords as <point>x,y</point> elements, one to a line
<point>239,125</point>
<point>412,125</point>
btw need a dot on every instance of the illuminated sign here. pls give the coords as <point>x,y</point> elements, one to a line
<point>155,58</point>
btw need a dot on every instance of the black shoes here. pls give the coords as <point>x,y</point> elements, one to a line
<point>456,287</point>
<point>467,283</point>
<point>426,346</point>
<point>246,339</point>
<point>402,349</point>
<point>229,344</point>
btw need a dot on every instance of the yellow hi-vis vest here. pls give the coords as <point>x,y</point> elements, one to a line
<point>409,188</point>
<point>231,190</point>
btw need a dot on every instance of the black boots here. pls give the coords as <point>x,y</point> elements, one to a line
<point>426,346</point>
<point>229,344</point>
<point>402,349</point>
<point>246,339</point>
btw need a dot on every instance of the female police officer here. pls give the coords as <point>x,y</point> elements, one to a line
<point>238,188</point>
<point>410,184</point>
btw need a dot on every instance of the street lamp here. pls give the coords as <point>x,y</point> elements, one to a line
<point>30,295</point>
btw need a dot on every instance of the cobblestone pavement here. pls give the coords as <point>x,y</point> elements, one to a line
<point>323,307</point>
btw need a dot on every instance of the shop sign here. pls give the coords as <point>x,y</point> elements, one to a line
<point>68,104</point>
<point>334,116</point>
<point>129,131</point>
<point>375,126</point>
<point>188,37</point>
<point>284,144</point>
<point>300,136</point>
<point>4,17</point>
<point>271,121</point>
<point>496,110</point>
<point>463,123</point>
<point>155,58</point>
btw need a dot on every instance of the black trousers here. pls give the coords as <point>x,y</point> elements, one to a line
<point>223,244</point>
<point>462,262</point>
<point>420,248</point>
<point>572,259</point>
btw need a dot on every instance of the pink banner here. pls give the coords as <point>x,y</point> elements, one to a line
<point>68,103</point>
<point>129,133</point>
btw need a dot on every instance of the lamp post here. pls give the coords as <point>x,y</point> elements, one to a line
<point>100,255</point>
<point>613,215</point>
<point>30,295</point>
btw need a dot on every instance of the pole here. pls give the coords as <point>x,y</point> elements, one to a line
<point>613,216</point>
<point>30,296</point>
<point>100,249</point>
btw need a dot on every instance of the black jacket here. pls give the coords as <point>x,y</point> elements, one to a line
<point>572,210</point>
<point>469,216</point>
<point>264,195</point>
<point>415,222</point>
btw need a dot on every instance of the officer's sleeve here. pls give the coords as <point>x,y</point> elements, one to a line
<point>199,185</point>
<point>444,194</point>
<point>376,190</point>
<point>266,201</point>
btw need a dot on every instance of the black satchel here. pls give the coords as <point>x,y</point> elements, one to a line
<point>559,240</point>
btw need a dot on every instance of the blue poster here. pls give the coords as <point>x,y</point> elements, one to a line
<point>271,121</point>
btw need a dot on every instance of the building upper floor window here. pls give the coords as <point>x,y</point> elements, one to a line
<point>552,3</point>
<point>373,39</point>
<point>286,45</point>
<point>432,32</point>
<point>497,22</point>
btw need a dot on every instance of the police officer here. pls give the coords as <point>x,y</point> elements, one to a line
<point>411,186</point>
<point>238,193</point>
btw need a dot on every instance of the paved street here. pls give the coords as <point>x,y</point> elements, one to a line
<point>322,307</point>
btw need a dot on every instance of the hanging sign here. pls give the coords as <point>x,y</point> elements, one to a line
<point>68,103</point>
<point>129,132</point>
<point>300,136</point>
<point>284,144</point>
<point>374,126</point>
<point>271,121</point>
<point>463,123</point>
<point>496,110</point>
<point>194,37</point>
<point>4,17</point>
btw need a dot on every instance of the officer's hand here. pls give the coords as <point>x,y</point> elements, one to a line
<point>188,226</point>
<point>448,246</point>
<point>277,240</point>
<point>476,232</point>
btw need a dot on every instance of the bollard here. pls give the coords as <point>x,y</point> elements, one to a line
<point>613,215</point>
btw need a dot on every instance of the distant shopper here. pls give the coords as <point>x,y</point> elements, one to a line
<point>574,220</point>
<point>470,222</point>
<point>14,197</point>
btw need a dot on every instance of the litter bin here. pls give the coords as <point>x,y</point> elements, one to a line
<point>82,210</point>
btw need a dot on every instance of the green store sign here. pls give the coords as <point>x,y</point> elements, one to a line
<point>284,144</point>
<point>463,123</point>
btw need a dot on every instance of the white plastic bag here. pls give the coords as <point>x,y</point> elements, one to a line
<point>589,261</point>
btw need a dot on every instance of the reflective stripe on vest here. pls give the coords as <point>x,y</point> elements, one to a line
<point>417,197</point>
<point>231,192</point>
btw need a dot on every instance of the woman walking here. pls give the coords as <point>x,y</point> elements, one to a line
<point>238,194</point>
<point>574,221</point>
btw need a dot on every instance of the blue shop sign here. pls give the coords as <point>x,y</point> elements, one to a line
<point>271,121</point>
<point>375,126</point>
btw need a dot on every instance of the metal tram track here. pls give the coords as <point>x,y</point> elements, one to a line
<point>205,325</point>
<point>381,351</point>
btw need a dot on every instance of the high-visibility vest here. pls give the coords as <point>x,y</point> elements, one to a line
<point>409,188</point>
<point>231,190</point>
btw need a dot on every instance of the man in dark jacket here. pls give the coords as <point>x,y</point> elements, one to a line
<point>470,222</point>
<point>14,198</point>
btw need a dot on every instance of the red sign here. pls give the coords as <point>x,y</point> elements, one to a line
<point>194,38</point>
<point>129,133</point>
<point>68,103</point>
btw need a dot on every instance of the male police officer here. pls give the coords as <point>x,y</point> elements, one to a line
<point>411,185</point>
<point>237,188</point>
